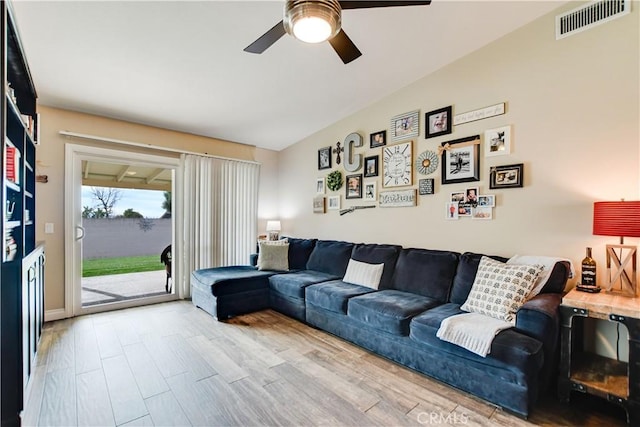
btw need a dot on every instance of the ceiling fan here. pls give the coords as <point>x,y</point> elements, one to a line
<point>314,21</point>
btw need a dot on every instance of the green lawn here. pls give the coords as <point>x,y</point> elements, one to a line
<point>106,266</point>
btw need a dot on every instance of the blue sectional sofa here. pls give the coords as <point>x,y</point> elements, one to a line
<point>399,320</point>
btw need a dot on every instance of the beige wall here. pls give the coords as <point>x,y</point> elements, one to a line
<point>50,197</point>
<point>573,108</point>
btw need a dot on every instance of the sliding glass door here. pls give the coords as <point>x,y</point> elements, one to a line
<point>120,229</point>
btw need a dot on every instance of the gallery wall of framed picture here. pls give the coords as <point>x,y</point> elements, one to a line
<point>422,165</point>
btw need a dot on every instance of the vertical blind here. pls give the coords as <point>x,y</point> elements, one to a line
<point>220,205</point>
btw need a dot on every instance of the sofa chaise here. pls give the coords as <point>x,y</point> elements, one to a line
<point>417,290</point>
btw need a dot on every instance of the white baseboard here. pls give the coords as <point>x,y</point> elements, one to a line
<point>57,314</point>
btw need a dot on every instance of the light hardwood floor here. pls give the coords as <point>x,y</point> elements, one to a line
<point>174,365</point>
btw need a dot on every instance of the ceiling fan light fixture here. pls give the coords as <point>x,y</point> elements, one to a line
<point>312,21</point>
<point>312,29</point>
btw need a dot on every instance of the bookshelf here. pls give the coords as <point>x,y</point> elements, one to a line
<point>22,261</point>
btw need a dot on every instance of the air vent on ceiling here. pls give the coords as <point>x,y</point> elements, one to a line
<point>590,15</point>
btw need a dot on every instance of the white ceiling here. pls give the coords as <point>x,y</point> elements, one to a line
<point>120,175</point>
<point>180,65</point>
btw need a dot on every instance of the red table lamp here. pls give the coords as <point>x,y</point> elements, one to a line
<point>619,219</point>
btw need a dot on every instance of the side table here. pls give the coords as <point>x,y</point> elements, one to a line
<point>585,372</point>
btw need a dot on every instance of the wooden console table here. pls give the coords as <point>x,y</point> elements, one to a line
<point>585,372</point>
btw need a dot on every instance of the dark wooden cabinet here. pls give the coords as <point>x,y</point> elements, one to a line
<point>21,274</point>
<point>32,310</point>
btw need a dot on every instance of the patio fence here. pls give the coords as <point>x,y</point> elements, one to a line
<point>119,237</point>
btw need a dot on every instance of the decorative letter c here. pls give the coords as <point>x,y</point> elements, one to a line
<point>352,161</point>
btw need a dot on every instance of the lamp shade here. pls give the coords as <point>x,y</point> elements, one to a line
<point>619,218</point>
<point>273,225</point>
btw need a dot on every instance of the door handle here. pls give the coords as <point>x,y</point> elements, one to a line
<point>81,236</point>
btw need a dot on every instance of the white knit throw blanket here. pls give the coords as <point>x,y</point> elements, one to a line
<point>472,331</point>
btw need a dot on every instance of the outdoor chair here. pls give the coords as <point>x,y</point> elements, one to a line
<point>165,258</point>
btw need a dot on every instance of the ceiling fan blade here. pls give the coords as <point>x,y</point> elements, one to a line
<point>369,4</point>
<point>267,39</point>
<point>344,47</point>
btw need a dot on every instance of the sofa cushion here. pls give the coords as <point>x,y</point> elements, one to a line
<point>334,295</point>
<point>362,273</point>
<point>378,254</point>
<point>273,255</point>
<point>331,257</point>
<point>500,289</point>
<point>465,275</point>
<point>388,310</point>
<point>425,272</point>
<point>561,272</point>
<point>546,278</point>
<point>299,251</point>
<point>293,284</point>
<point>510,349</point>
<point>554,277</point>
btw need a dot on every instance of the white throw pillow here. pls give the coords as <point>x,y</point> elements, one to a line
<point>273,255</point>
<point>500,289</point>
<point>361,273</point>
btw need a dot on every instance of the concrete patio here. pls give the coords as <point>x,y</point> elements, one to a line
<point>122,287</point>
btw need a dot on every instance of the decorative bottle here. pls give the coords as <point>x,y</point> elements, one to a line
<point>588,270</point>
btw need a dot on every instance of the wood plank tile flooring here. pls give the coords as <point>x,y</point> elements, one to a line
<point>174,365</point>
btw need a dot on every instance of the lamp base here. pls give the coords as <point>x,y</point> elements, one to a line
<point>618,274</point>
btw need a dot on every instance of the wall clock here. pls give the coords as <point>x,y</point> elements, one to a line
<point>397,165</point>
<point>427,162</point>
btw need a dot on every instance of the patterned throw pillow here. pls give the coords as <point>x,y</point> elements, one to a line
<point>362,273</point>
<point>500,289</point>
<point>273,255</point>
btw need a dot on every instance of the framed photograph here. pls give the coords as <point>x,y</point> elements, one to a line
<point>405,125</point>
<point>371,166</point>
<point>471,196</point>
<point>452,210</point>
<point>320,186</point>
<point>378,139</point>
<point>464,209</point>
<point>397,165</point>
<point>333,203</point>
<point>458,197</point>
<point>461,160</point>
<point>497,142</point>
<point>482,212</point>
<point>487,200</point>
<point>370,191</point>
<point>438,122</point>
<point>318,205</point>
<point>507,176</point>
<point>354,186</point>
<point>324,158</point>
